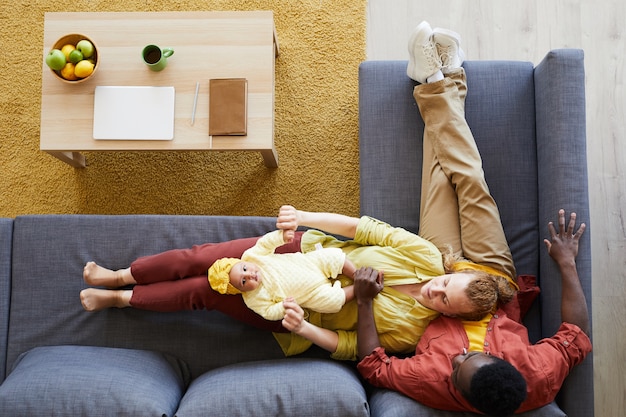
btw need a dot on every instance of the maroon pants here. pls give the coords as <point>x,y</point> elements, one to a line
<point>177,280</point>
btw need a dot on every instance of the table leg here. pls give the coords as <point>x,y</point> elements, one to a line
<point>75,159</point>
<point>270,156</point>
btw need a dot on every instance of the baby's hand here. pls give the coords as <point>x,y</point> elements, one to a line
<point>288,236</point>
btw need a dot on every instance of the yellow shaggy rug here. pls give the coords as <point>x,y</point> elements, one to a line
<point>316,134</point>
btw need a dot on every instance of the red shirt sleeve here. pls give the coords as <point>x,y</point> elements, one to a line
<point>424,378</point>
<point>547,363</point>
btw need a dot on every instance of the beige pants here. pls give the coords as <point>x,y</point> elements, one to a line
<point>456,206</point>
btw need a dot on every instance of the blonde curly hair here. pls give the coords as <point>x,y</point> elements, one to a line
<point>485,291</point>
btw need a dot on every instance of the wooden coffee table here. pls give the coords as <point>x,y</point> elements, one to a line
<point>206,45</point>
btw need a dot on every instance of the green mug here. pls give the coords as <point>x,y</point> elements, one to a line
<point>155,57</point>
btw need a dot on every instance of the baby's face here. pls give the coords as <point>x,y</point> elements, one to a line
<point>245,276</point>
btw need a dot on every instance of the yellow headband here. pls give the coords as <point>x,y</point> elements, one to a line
<point>219,278</point>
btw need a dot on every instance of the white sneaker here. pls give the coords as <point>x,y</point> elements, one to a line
<point>448,45</point>
<point>424,59</point>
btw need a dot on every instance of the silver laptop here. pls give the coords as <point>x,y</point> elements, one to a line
<point>133,113</point>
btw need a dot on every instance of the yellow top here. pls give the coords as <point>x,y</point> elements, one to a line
<point>476,332</point>
<point>303,276</point>
<point>405,258</point>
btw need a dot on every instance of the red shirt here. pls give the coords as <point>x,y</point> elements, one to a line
<point>425,377</point>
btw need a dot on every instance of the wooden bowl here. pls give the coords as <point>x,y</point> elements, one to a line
<point>73,39</point>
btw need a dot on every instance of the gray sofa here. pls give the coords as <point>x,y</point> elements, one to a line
<point>57,360</point>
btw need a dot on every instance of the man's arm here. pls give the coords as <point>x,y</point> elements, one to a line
<point>367,284</point>
<point>563,248</point>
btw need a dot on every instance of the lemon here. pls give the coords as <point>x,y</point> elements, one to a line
<point>66,49</point>
<point>67,72</point>
<point>83,69</point>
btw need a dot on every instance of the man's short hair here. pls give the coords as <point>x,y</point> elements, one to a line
<point>497,389</point>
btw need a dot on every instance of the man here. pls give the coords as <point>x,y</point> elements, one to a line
<point>490,365</point>
<point>443,374</point>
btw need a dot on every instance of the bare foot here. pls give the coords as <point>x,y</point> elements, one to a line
<point>95,299</point>
<point>98,276</point>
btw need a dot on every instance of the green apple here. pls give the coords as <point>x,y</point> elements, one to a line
<point>55,59</point>
<point>76,56</point>
<point>85,47</point>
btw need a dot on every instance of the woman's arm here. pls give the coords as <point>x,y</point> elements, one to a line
<point>294,322</point>
<point>338,224</point>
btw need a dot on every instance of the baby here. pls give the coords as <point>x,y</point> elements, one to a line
<point>265,279</point>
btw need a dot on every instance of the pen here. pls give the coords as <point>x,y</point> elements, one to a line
<point>195,102</point>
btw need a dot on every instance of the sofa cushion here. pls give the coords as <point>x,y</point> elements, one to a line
<point>387,403</point>
<point>94,381</point>
<point>47,270</point>
<point>294,387</point>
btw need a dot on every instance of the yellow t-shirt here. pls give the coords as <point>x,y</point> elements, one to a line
<point>476,333</point>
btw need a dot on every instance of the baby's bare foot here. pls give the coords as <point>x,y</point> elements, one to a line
<point>98,276</point>
<point>94,299</point>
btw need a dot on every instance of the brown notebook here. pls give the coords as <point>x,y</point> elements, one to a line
<point>228,106</point>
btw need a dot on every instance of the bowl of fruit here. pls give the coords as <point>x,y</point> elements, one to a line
<point>73,58</point>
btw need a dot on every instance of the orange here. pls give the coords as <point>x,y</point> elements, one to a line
<point>67,72</point>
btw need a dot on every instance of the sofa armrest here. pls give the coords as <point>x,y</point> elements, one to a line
<point>562,169</point>
<point>6,238</point>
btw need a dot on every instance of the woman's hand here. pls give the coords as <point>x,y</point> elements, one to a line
<point>287,218</point>
<point>294,322</point>
<point>294,315</point>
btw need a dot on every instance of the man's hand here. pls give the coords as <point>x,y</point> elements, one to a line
<point>367,283</point>
<point>563,246</point>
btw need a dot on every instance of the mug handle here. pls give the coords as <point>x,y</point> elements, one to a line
<point>168,52</point>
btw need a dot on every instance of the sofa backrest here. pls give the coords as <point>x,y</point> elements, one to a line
<point>49,253</point>
<point>529,125</point>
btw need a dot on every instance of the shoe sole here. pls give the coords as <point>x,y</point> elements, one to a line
<point>416,31</point>
<point>448,34</point>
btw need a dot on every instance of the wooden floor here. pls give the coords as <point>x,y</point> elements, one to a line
<point>527,30</point>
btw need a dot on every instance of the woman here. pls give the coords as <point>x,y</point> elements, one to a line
<point>418,284</point>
